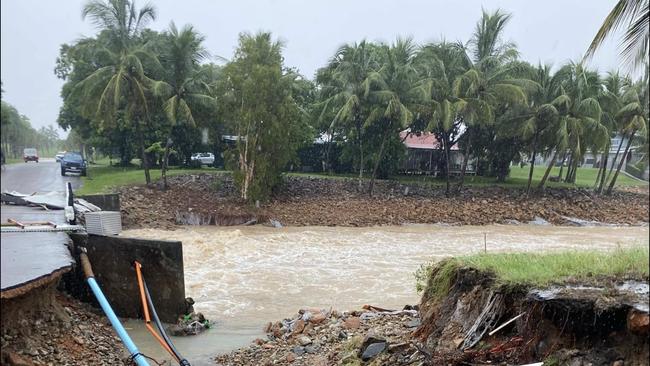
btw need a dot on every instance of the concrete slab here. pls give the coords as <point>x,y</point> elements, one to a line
<point>28,257</point>
<point>30,214</point>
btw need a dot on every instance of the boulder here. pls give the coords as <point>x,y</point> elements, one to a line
<point>373,350</point>
<point>352,323</point>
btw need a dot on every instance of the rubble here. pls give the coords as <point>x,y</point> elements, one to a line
<point>303,201</point>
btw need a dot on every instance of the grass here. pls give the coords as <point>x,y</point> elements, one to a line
<point>105,179</point>
<point>537,269</point>
<point>585,177</point>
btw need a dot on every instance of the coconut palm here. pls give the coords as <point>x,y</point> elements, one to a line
<point>183,86</point>
<point>631,119</point>
<point>441,64</point>
<point>635,15</point>
<point>492,80</point>
<point>345,91</point>
<point>121,83</point>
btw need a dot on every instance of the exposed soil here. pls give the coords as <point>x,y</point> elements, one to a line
<point>47,327</point>
<point>212,199</point>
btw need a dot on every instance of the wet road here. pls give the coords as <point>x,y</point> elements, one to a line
<point>31,177</point>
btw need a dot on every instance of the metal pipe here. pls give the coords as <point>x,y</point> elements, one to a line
<point>106,306</point>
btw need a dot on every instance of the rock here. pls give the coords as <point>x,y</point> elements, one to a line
<point>311,349</point>
<point>343,335</point>
<point>638,322</point>
<point>352,323</point>
<point>267,328</point>
<point>298,327</point>
<point>290,357</point>
<point>618,363</point>
<point>371,338</point>
<point>373,350</point>
<point>539,221</point>
<point>298,350</point>
<point>348,358</point>
<point>304,340</point>
<point>14,359</point>
<point>413,323</point>
<point>318,318</point>
<point>274,223</point>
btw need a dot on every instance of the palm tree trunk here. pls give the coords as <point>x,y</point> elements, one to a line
<point>568,168</point>
<point>446,143</point>
<point>465,160</point>
<point>604,169</point>
<point>165,163</point>
<point>548,171</point>
<point>532,165</point>
<point>562,165</point>
<point>145,159</point>
<point>620,144</point>
<point>360,157</point>
<point>376,167</point>
<point>620,164</point>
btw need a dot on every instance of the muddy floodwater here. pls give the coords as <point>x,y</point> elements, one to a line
<point>244,277</point>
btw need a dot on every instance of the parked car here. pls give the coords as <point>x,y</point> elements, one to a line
<point>30,154</point>
<point>204,158</point>
<point>59,155</point>
<point>73,162</point>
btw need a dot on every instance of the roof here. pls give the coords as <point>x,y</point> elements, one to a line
<point>424,141</point>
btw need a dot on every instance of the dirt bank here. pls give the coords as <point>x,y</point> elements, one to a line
<point>467,317</point>
<point>51,328</point>
<point>209,198</point>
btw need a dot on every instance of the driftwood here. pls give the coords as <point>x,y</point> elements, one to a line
<point>491,313</point>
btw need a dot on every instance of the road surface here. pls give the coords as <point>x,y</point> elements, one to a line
<point>31,177</point>
<point>29,257</point>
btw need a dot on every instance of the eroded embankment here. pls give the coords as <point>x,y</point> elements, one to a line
<point>596,321</point>
<point>302,201</point>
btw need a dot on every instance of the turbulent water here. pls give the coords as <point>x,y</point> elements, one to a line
<point>246,276</point>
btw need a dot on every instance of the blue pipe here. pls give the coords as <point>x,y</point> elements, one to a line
<point>117,325</point>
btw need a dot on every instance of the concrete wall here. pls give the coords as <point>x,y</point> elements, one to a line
<point>112,261</point>
<point>107,202</point>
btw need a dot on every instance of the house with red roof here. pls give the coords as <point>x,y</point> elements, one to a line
<point>426,156</point>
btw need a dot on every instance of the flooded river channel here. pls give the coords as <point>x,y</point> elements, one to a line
<point>244,277</point>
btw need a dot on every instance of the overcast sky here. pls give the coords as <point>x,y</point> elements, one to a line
<point>552,31</point>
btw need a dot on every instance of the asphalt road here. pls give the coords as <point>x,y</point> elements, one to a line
<point>31,177</point>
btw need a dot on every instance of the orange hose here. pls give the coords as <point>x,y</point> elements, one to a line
<point>145,307</point>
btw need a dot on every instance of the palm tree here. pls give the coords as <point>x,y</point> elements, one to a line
<point>490,82</point>
<point>121,84</point>
<point>183,84</point>
<point>345,91</point>
<point>395,92</point>
<point>635,14</point>
<point>441,64</point>
<point>610,102</point>
<point>632,119</point>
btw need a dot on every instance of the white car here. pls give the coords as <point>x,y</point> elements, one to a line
<point>204,158</point>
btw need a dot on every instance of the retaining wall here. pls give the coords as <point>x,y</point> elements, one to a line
<point>112,260</point>
<point>107,202</point>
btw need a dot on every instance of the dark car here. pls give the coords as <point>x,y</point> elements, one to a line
<point>73,162</point>
<point>30,154</point>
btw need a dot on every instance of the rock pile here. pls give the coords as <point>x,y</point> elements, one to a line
<point>329,337</point>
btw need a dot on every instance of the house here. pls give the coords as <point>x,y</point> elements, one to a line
<point>424,155</point>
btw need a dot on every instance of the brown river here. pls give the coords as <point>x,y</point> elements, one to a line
<point>243,277</point>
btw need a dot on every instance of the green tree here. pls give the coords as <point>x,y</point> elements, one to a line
<point>182,86</point>
<point>121,83</point>
<point>258,93</point>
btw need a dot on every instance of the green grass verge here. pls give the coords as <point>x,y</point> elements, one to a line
<point>105,179</point>
<point>585,178</point>
<point>535,269</point>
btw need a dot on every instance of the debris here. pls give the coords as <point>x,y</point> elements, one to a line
<point>506,323</point>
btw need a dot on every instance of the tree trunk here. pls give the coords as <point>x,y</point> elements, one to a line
<point>376,167</point>
<point>618,150</point>
<point>548,171</point>
<point>532,165</point>
<point>604,169</point>
<point>360,158</point>
<point>464,167</point>
<point>568,168</point>
<point>600,168</point>
<point>446,142</point>
<point>145,159</point>
<point>562,165</point>
<point>620,164</point>
<point>165,162</point>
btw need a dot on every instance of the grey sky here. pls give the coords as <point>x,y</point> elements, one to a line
<point>553,31</point>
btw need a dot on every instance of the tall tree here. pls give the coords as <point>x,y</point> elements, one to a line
<point>122,83</point>
<point>182,86</point>
<point>258,93</point>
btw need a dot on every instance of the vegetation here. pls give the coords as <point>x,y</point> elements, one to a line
<point>535,269</point>
<point>130,91</point>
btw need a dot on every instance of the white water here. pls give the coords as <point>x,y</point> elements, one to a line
<point>246,276</point>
